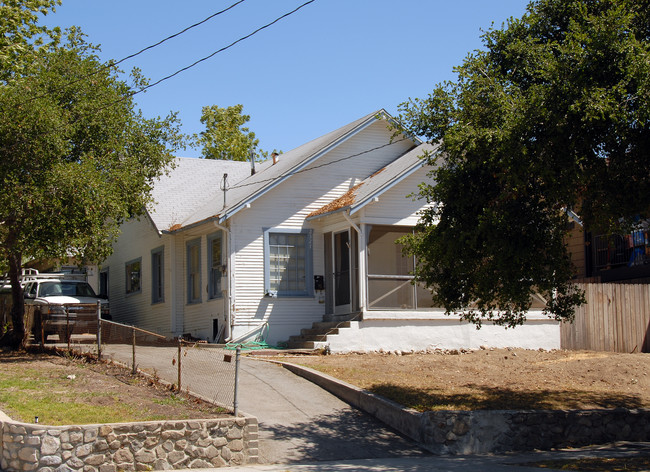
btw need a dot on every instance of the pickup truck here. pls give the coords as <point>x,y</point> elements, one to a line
<point>47,300</point>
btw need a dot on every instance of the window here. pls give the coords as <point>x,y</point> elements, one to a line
<point>288,262</point>
<point>133,270</point>
<point>157,276</point>
<point>390,283</point>
<point>215,264</point>
<point>194,271</point>
<point>103,283</point>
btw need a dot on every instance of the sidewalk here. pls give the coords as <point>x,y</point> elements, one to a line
<point>482,463</point>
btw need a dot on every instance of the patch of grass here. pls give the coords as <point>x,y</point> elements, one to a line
<point>27,393</point>
<point>72,391</point>
<point>597,464</point>
<point>171,400</point>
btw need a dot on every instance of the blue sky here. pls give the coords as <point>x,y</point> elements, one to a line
<point>328,64</point>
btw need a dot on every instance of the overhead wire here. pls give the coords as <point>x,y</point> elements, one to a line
<point>131,56</point>
<point>143,89</point>
<point>308,169</point>
<point>224,48</point>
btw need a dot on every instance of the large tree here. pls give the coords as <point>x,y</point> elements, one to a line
<point>225,136</point>
<point>552,115</point>
<point>76,158</point>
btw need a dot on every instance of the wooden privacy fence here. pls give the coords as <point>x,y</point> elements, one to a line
<point>616,318</point>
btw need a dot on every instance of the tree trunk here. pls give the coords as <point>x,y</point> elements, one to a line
<point>18,307</point>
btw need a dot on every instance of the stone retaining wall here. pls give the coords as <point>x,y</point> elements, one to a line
<point>128,446</point>
<point>486,431</point>
<point>483,431</point>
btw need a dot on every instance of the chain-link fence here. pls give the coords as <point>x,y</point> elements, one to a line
<point>208,371</point>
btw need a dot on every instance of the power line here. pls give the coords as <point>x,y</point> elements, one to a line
<point>143,89</point>
<point>223,48</point>
<point>131,56</point>
<point>308,169</point>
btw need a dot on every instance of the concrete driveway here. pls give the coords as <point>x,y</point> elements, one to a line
<point>298,421</point>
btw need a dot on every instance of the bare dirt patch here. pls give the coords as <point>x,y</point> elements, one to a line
<point>66,390</point>
<point>496,379</point>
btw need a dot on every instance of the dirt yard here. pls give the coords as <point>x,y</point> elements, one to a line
<point>66,390</point>
<point>496,379</point>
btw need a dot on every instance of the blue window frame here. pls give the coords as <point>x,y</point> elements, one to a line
<point>133,275</point>
<point>158,275</point>
<point>215,264</point>
<point>194,271</point>
<point>288,262</point>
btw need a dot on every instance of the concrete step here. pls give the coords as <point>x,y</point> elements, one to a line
<point>311,337</point>
<point>316,332</point>
<point>326,325</point>
<point>306,345</point>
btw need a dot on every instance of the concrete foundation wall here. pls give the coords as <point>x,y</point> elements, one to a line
<point>444,333</point>
<point>128,446</point>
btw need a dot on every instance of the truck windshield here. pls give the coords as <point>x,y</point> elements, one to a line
<point>63,288</point>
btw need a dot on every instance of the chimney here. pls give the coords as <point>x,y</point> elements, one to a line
<point>252,163</point>
<point>274,156</point>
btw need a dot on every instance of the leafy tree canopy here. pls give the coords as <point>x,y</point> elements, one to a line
<point>22,35</point>
<point>76,158</point>
<point>553,114</point>
<point>226,137</point>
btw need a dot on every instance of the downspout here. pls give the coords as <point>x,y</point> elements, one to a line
<point>362,260</point>
<point>229,300</point>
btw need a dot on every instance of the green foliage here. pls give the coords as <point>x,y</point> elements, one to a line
<point>22,35</point>
<point>225,136</point>
<point>76,159</point>
<point>553,115</point>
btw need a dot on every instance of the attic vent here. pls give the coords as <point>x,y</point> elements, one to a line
<point>274,156</point>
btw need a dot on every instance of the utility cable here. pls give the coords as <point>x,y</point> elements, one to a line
<point>143,89</point>
<point>257,182</point>
<point>223,48</point>
<point>131,56</point>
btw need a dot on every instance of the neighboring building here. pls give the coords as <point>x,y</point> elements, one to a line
<point>610,257</point>
<point>305,239</point>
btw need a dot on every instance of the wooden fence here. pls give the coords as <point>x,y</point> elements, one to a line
<point>616,318</point>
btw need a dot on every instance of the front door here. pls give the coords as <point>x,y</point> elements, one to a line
<point>341,265</point>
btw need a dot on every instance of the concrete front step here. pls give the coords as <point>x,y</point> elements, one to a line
<point>327,325</point>
<point>308,337</point>
<point>316,336</point>
<point>306,345</point>
<point>318,332</point>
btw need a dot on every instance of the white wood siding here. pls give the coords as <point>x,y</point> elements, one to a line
<point>287,206</point>
<point>395,207</point>
<point>137,239</point>
<point>197,317</point>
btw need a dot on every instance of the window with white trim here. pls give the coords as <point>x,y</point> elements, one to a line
<point>215,264</point>
<point>288,262</point>
<point>194,271</point>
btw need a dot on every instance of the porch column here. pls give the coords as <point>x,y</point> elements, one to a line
<point>363,264</point>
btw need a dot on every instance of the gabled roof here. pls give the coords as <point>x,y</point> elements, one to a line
<point>378,183</point>
<point>269,176</point>
<point>188,186</point>
<point>207,202</point>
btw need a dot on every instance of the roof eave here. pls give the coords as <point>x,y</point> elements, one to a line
<point>362,203</point>
<point>360,127</point>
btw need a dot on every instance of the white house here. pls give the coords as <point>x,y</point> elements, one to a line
<point>303,249</point>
